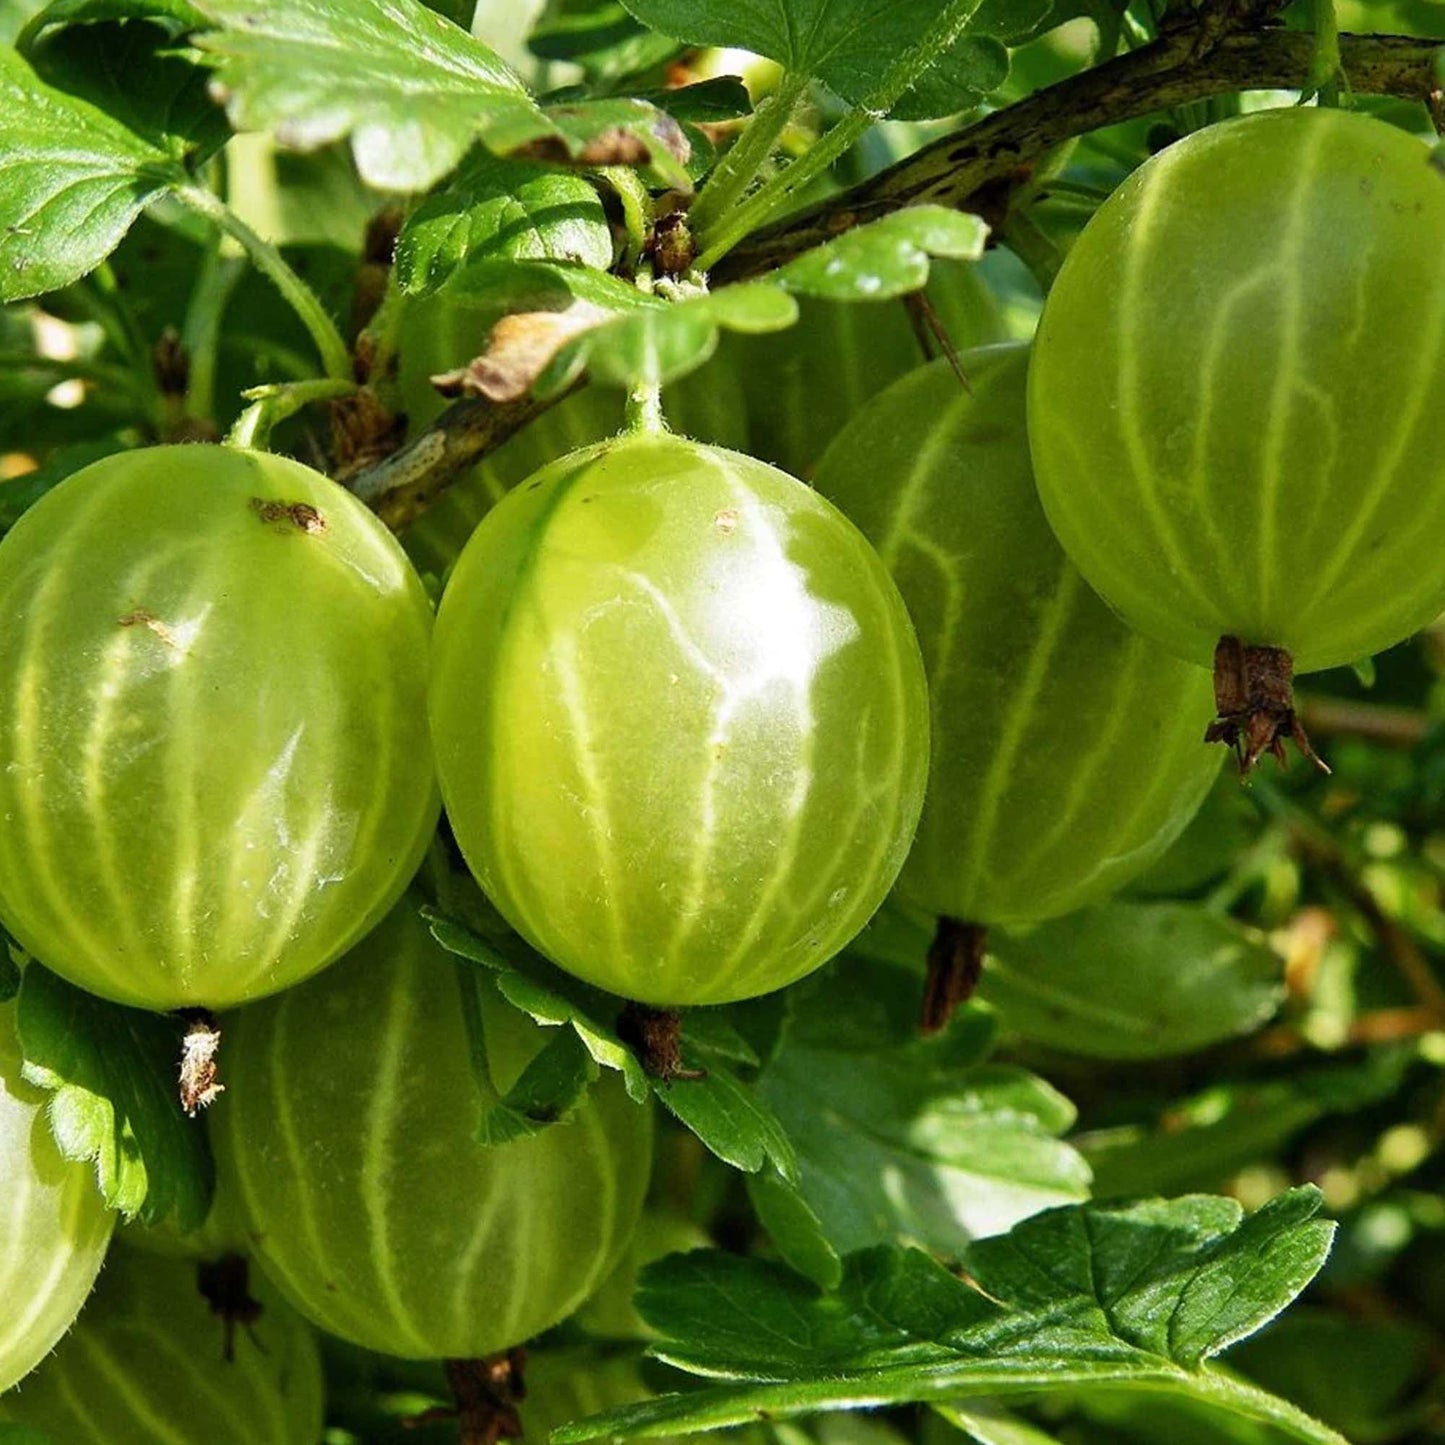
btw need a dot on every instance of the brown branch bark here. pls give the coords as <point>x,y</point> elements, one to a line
<point>978,167</point>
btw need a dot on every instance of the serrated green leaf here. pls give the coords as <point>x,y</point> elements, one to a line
<point>410,89</point>
<point>885,258</point>
<point>72,183</point>
<point>1133,981</point>
<point>658,343</point>
<point>1141,1292</point>
<point>729,1116</point>
<point>495,208</point>
<point>130,72</point>
<point>848,44</point>
<point>529,983</point>
<point>548,1090</point>
<point>112,1073</point>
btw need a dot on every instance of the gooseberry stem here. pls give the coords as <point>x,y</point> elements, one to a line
<point>643,411</point>
<point>335,355</point>
<point>749,154</point>
<point>774,194</point>
<point>955,965</point>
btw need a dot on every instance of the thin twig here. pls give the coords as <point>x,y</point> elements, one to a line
<point>979,167</point>
<point>1397,727</point>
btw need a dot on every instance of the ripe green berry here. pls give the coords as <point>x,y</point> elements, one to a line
<point>348,1140</point>
<point>1066,751</point>
<point>146,1364</point>
<point>218,774</point>
<point>680,720</point>
<point>1234,403</point>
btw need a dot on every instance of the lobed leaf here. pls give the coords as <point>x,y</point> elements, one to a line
<point>411,89</point>
<point>73,181</point>
<point>175,17</point>
<point>1140,1292</point>
<point>111,1071</point>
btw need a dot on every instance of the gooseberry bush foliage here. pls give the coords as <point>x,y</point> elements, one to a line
<point>844,997</point>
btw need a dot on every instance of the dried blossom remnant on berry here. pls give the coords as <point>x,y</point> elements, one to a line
<point>197,1077</point>
<point>1254,700</point>
<point>300,515</point>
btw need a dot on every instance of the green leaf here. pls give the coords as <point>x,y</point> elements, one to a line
<point>9,974</point>
<point>914,1139</point>
<point>175,17</point>
<point>547,1091</point>
<point>849,44</point>
<point>1141,1292</point>
<point>1133,981</point>
<point>795,1230</point>
<point>72,183</point>
<point>529,983</point>
<point>730,1117</point>
<point>885,258</point>
<point>707,102</point>
<point>131,73</point>
<point>604,40</point>
<point>660,342</point>
<point>411,90</point>
<point>501,208</point>
<point>112,1072</point>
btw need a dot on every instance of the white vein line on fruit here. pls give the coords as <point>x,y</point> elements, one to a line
<point>1134,316</point>
<point>483,1242</point>
<point>163,1342</point>
<point>900,524</point>
<point>378,1148</point>
<point>1216,355</point>
<point>1292,247</point>
<point>57,1376</point>
<point>162,1431</point>
<point>126,657</point>
<point>190,934</point>
<point>519,1235</point>
<point>1020,706</point>
<point>598,812</point>
<point>28,735</point>
<point>1086,773</point>
<point>284,1119</point>
<point>1426,386</point>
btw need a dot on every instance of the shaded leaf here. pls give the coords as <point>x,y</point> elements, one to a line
<point>411,90</point>
<point>130,72</point>
<point>914,1140</point>
<point>528,982</point>
<point>112,1073</point>
<point>175,17</point>
<point>1133,981</point>
<point>501,208</point>
<point>19,493</point>
<point>72,183</point>
<point>885,258</point>
<point>604,40</point>
<point>552,1085</point>
<point>796,1232</point>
